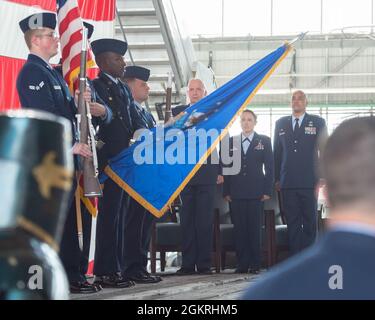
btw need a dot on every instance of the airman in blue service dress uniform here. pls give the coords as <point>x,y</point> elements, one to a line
<point>247,191</point>
<point>296,145</point>
<point>197,205</point>
<point>102,115</point>
<point>138,221</point>
<point>41,87</point>
<point>116,137</point>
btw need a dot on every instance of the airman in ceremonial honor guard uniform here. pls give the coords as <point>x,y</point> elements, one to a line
<point>116,137</point>
<point>41,87</point>
<point>138,221</point>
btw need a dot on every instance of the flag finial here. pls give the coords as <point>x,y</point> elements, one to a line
<point>300,37</point>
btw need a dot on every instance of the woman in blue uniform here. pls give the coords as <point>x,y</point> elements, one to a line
<point>247,190</point>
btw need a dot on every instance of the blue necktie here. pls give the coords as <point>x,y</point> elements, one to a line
<point>296,125</point>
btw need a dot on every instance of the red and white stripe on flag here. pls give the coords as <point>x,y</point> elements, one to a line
<point>70,29</point>
<point>13,53</point>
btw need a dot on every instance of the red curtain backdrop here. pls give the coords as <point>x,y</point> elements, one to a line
<point>100,10</point>
<point>9,69</point>
<point>49,5</point>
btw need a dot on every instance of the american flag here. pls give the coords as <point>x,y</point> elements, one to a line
<point>70,29</point>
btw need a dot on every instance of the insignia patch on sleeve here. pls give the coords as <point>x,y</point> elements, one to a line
<point>38,87</point>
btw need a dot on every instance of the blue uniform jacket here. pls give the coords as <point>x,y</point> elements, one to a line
<point>95,98</point>
<point>315,273</point>
<point>125,118</point>
<point>256,177</point>
<point>41,87</point>
<point>98,121</point>
<point>146,117</point>
<point>296,153</point>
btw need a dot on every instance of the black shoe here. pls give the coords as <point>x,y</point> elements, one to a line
<point>142,278</point>
<point>205,271</point>
<point>98,286</point>
<point>158,278</point>
<point>83,287</point>
<point>113,281</point>
<point>185,272</point>
<point>254,270</point>
<point>240,270</point>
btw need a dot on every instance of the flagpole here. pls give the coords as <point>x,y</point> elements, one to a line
<point>298,38</point>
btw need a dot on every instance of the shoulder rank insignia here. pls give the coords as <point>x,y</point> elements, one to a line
<point>38,87</point>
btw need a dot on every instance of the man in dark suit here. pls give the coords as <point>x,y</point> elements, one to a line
<point>247,191</point>
<point>138,221</point>
<point>341,264</point>
<point>41,87</point>
<point>296,149</point>
<point>116,137</point>
<point>198,204</point>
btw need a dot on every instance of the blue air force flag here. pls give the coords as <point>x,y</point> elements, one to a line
<point>156,168</point>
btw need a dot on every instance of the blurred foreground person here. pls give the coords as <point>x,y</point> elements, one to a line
<point>36,174</point>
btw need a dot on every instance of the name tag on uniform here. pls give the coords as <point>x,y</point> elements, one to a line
<point>57,87</point>
<point>281,132</point>
<point>310,130</point>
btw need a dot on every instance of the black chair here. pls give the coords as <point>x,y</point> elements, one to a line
<point>165,237</point>
<point>281,245</point>
<point>225,241</point>
<point>274,233</point>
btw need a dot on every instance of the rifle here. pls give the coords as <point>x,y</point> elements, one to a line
<point>177,203</point>
<point>91,185</point>
<point>168,99</point>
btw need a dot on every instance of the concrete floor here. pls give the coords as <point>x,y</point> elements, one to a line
<point>223,286</point>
